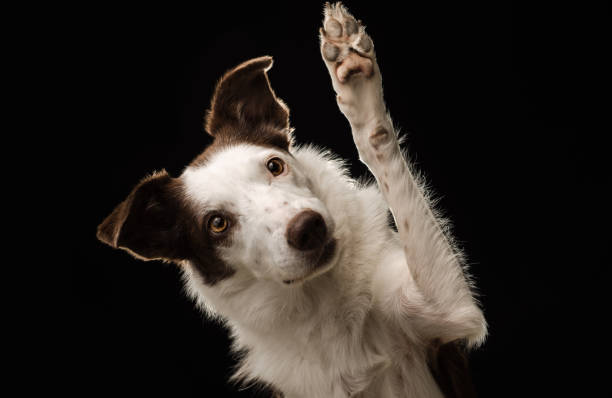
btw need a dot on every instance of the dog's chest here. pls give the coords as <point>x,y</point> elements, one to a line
<point>316,364</point>
<point>327,361</point>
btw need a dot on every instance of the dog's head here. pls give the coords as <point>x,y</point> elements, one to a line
<point>244,205</point>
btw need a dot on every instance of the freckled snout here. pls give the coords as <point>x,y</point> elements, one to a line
<point>307,231</point>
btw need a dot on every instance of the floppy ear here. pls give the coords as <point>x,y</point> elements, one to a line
<point>146,223</point>
<point>243,100</point>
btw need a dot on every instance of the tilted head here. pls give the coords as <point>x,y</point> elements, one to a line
<point>244,205</point>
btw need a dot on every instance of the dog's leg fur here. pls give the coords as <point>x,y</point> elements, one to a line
<point>446,310</point>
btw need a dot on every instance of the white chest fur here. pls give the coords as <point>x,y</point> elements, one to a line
<point>337,353</point>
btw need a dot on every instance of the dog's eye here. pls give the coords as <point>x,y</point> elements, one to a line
<point>217,224</point>
<point>276,166</point>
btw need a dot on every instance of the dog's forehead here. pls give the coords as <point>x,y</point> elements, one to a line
<point>225,173</point>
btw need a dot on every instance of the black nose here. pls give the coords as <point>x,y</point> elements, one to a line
<point>306,231</point>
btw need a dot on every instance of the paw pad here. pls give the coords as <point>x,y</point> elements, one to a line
<point>365,44</point>
<point>350,26</point>
<point>354,64</point>
<point>330,52</point>
<point>345,46</point>
<point>333,28</point>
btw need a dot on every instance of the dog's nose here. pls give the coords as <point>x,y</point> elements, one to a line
<point>306,231</point>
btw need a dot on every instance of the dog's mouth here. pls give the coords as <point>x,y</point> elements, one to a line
<point>319,266</point>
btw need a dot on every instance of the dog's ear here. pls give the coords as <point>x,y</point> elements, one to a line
<point>244,101</point>
<point>146,223</point>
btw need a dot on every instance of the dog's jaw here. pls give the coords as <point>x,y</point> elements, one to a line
<point>326,261</point>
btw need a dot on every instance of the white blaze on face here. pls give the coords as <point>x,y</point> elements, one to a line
<point>236,180</point>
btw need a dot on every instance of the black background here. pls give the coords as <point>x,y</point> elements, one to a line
<point>504,106</point>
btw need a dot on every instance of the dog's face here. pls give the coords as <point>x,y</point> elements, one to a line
<point>243,205</point>
<point>258,203</point>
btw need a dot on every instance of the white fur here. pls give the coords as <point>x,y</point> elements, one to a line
<point>362,327</point>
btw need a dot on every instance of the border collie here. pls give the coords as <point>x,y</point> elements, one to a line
<point>322,296</point>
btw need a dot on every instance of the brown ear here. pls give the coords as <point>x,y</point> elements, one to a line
<point>146,223</point>
<point>243,99</point>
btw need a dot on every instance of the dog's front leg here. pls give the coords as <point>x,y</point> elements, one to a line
<point>434,264</point>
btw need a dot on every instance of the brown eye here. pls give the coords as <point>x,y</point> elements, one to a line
<point>217,224</point>
<point>276,166</point>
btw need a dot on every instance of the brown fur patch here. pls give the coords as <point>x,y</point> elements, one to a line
<point>154,222</point>
<point>245,108</point>
<point>379,137</point>
<point>146,220</point>
<point>266,136</point>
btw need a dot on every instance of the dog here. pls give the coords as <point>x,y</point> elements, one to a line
<point>321,295</point>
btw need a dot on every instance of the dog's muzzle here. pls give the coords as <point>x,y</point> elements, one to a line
<point>308,233</point>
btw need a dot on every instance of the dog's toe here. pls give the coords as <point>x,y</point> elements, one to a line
<point>330,52</point>
<point>333,28</point>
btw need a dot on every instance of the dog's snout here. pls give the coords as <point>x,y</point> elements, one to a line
<point>306,231</point>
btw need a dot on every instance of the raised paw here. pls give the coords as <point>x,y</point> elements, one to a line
<point>346,48</point>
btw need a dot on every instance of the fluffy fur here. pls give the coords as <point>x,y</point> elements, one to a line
<point>373,312</point>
